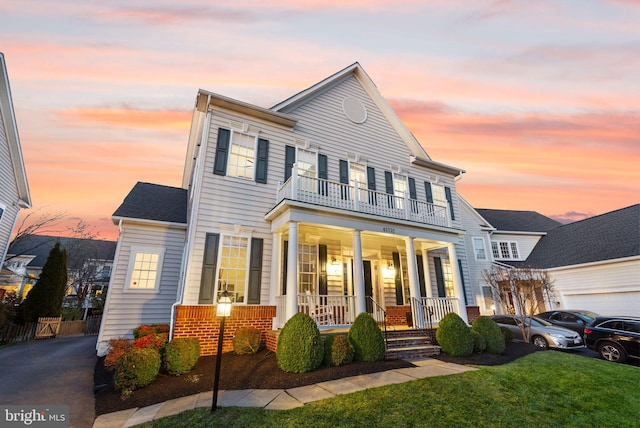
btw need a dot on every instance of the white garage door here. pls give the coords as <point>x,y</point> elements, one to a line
<point>605,304</point>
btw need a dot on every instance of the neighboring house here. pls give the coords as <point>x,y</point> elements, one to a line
<point>324,202</point>
<point>14,189</point>
<point>88,260</point>
<point>595,262</point>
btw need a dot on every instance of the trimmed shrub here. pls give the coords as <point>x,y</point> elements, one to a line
<point>454,336</point>
<point>479,344</point>
<point>507,334</point>
<point>300,347</point>
<point>117,348</point>
<point>247,340</point>
<point>492,334</point>
<point>136,368</point>
<point>367,339</point>
<point>150,329</point>
<point>337,350</point>
<point>181,355</point>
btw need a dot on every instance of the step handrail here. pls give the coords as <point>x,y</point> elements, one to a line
<point>377,308</point>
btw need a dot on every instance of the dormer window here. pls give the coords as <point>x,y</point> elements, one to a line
<point>505,250</point>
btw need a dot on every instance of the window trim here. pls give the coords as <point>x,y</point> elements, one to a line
<point>255,154</point>
<point>475,239</point>
<point>134,251</point>
<point>3,209</point>
<point>247,269</point>
<point>509,245</point>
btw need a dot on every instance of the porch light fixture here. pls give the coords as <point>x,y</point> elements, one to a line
<point>223,310</point>
<point>335,267</point>
<point>389,271</point>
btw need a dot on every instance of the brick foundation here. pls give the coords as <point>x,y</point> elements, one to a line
<point>397,315</point>
<point>473,312</point>
<point>201,322</point>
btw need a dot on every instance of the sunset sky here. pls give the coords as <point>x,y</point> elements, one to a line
<point>539,101</point>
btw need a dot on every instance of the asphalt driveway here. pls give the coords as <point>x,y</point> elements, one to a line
<point>51,371</point>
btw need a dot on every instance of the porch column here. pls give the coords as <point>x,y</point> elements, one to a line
<point>457,282</point>
<point>427,274</point>
<point>276,263</point>
<point>292,271</point>
<point>358,274</point>
<point>414,284</point>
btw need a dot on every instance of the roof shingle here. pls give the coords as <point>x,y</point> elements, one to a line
<point>149,201</point>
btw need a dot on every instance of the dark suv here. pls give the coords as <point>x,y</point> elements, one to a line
<point>615,338</point>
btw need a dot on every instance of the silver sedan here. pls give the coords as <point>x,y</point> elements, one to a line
<point>543,334</point>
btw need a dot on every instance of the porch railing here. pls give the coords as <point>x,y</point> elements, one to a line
<point>357,198</point>
<point>428,311</point>
<point>379,314</point>
<point>328,311</point>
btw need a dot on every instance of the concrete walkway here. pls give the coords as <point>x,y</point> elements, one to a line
<point>280,399</point>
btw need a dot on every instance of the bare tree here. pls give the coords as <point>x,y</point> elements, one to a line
<point>521,291</point>
<point>31,225</point>
<point>83,255</point>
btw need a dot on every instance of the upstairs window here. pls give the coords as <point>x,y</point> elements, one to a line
<point>505,250</point>
<point>242,156</point>
<point>479,249</point>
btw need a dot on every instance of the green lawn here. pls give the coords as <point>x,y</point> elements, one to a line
<point>544,389</point>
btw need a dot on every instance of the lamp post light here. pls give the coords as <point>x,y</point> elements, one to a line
<point>223,310</point>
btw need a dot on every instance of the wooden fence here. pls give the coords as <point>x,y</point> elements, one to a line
<point>48,327</point>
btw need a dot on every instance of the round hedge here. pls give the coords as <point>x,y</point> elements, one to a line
<point>136,368</point>
<point>300,348</point>
<point>367,339</point>
<point>454,336</point>
<point>181,355</point>
<point>492,334</point>
<point>337,350</point>
<point>479,344</point>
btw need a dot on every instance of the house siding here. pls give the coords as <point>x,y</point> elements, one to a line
<point>526,243</point>
<point>8,191</point>
<point>126,310</point>
<point>608,288</point>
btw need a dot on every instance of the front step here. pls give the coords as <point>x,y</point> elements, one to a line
<point>409,345</point>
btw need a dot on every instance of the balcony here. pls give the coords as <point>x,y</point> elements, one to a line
<point>361,200</point>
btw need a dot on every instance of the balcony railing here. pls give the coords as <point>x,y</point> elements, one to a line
<point>356,198</point>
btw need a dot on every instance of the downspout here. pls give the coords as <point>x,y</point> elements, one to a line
<point>197,189</point>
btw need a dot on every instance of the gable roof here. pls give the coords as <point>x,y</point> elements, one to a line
<point>609,236</point>
<point>7,115</point>
<point>419,155</point>
<point>518,221</point>
<point>40,246</point>
<point>148,201</point>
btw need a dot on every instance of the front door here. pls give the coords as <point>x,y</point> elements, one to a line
<point>368,285</point>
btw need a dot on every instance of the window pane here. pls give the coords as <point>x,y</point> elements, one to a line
<point>242,156</point>
<point>514,250</point>
<point>504,250</point>
<point>232,274</point>
<point>144,272</point>
<point>494,250</point>
<point>478,246</point>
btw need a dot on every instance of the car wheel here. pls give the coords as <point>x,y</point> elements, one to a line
<point>540,342</point>
<point>612,352</point>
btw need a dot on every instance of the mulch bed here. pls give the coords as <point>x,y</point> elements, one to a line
<point>259,371</point>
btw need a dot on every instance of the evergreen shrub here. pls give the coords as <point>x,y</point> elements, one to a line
<point>300,348</point>
<point>479,344</point>
<point>337,350</point>
<point>507,334</point>
<point>492,334</point>
<point>181,355</point>
<point>367,339</point>
<point>454,336</point>
<point>136,368</point>
<point>247,340</point>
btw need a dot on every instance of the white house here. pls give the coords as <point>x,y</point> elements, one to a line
<point>324,202</point>
<point>14,189</point>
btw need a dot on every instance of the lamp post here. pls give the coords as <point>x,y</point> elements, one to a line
<point>223,310</point>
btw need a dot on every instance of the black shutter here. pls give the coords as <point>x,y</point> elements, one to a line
<point>464,290</point>
<point>371,185</point>
<point>447,192</point>
<point>262,161</point>
<point>388,181</point>
<point>421,279</point>
<point>322,270</point>
<point>323,174</point>
<point>255,272</point>
<point>442,292</point>
<point>344,179</point>
<point>285,258</point>
<point>222,149</point>
<point>428,191</point>
<point>413,195</point>
<point>396,265</point>
<point>289,160</point>
<point>208,278</point>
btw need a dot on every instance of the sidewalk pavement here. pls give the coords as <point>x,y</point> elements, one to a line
<point>280,399</point>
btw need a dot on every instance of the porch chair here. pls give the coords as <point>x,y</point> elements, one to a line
<point>321,314</point>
